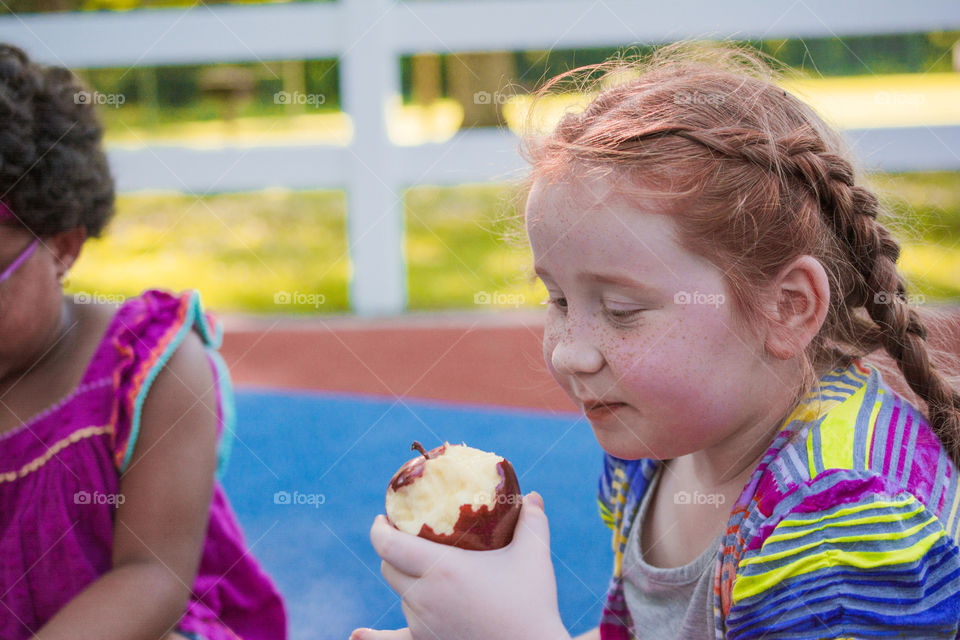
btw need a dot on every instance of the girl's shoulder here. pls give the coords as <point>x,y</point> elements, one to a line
<point>156,312</point>
<point>141,323</point>
<point>857,501</point>
<point>143,331</point>
<point>854,428</point>
<point>144,334</point>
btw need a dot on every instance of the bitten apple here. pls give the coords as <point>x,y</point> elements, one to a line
<point>456,495</point>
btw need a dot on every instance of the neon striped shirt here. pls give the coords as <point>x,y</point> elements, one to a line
<point>847,528</point>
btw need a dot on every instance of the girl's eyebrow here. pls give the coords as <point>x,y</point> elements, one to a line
<point>619,280</point>
<point>612,279</point>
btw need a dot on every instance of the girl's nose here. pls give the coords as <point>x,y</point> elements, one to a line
<point>576,356</point>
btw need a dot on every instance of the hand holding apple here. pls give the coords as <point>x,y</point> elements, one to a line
<point>450,593</point>
<point>456,495</point>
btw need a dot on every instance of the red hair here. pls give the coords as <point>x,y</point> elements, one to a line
<point>753,178</point>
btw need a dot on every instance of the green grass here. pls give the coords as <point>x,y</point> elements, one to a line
<point>238,250</point>
<point>926,219</point>
<point>244,251</point>
<point>928,204</point>
<point>457,248</point>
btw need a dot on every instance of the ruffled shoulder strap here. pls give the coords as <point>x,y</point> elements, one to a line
<point>145,334</point>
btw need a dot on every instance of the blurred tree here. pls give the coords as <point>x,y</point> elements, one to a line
<point>323,76</point>
<point>178,85</point>
<point>538,66</point>
<point>481,83</point>
<point>229,86</point>
<point>866,55</point>
<point>31,6</point>
<point>111,5</point>
<point>426,78</point>
<point>294,83</point>
<point>948,41</point>
<point>148,95</point>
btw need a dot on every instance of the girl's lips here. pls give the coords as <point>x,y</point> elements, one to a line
<point>601,411</point>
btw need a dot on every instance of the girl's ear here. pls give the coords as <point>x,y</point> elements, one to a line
<point>797,306</point>
<point>65,247</point>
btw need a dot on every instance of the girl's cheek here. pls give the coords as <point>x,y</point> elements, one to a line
<point>639,369</point>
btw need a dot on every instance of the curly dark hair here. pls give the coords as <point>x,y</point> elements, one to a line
<point>53,172</point>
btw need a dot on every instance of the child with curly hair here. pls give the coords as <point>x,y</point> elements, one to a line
<point>114,422</point>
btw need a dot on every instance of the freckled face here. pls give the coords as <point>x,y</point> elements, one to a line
<point>675,372</point>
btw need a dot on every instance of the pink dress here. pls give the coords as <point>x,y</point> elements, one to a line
<point>60,478</point>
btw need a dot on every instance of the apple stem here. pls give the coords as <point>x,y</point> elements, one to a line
<point>416,446</point>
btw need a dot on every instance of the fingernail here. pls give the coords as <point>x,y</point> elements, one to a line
<point>536,498</point>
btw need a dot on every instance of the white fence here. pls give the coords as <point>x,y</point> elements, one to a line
<point>368,36</point>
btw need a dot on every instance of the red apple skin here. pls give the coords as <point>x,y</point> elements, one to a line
<point>482,530</point>
<point>485,529</point>
<point>413,468</point>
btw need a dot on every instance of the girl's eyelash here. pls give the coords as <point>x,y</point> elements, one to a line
<point>618,314</point>
<point>624,315</point>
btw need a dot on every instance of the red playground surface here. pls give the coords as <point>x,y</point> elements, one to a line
<point>475,358</point>
<point>490,358</point>
<point>318,413</point>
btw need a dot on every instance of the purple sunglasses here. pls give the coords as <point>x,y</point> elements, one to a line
<point>7,215</point>
<point>20,259</point>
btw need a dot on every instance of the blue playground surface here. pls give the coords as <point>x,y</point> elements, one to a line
<point>339,451</point>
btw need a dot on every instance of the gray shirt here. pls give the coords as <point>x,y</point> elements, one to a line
<point>674,603</point>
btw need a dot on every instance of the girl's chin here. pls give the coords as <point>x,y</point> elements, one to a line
<point>629,446</point>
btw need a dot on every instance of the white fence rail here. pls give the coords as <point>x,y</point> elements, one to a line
<point>368,36</point>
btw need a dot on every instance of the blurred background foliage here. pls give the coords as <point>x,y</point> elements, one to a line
<point>242,249</point>
<point>157,95</point>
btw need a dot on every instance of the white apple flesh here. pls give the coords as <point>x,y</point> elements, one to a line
<point>456,495</point>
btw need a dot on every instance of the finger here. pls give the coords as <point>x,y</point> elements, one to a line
<point>398,581</point>
<point>536,498</point>
<point>410,554</point>
<point>533,530</point>
<point>374,634</point>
